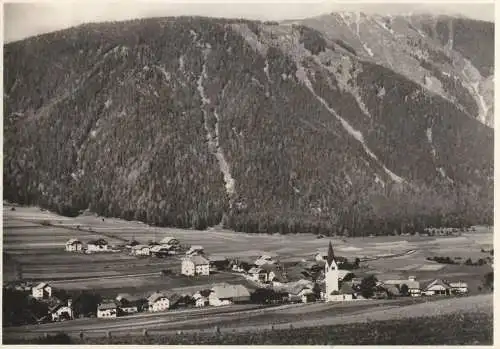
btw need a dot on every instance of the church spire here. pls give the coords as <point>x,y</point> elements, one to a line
<point>330,257</point>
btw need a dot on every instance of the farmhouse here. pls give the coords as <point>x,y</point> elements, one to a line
<point>169,240</point>
<point>218,263</point>
<point>107,310</point>
<point>97,245</point>
<point>127,304</point>
<point>195,250</point>
<point>412,285</point>
<point>161,250</point>
<point>61,311</point>
<point>141,250</point>
<point>459,287</point>
<point>73,245</point>
<point>225,294</point>
<point>41,291</point>
<point>300,293</point>
<point>437,287</point>
<point>264,259</point>
<point>179,300</point>
<point>201,298</point>
<point>158,302</point>
<point>267,273</point>
<point>195,265</point>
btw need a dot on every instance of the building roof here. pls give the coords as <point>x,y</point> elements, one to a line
<point>412,284</point>
<point>255,270</point>
<point>139,247</point>
<point>106,306</point>
<point>198,260</point>
<point>392,289</point>
<point>343,273</point>
<point>100,242</point>
<point>437,282</point>
<point>458,284</point>
<point>41,285</point>
<point>155,296</point>
<point>73,242</point>
<point>330,257</point>
<point>168,239</point>
<point>160,248</point>
<point>227,291</point>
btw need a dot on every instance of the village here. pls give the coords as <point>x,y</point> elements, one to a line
<point>324,277</point>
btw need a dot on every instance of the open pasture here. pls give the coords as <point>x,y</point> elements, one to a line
<point>35,240</point>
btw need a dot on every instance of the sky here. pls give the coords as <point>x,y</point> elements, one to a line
<point>23,19</point>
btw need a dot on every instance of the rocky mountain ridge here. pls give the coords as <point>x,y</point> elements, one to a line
<point>344,123</point>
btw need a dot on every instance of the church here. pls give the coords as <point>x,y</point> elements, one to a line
<point>333,293</point>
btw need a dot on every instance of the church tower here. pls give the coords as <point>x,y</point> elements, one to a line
<point>331,273</point>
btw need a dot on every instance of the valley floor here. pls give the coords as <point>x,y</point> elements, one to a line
<point>251,318</point>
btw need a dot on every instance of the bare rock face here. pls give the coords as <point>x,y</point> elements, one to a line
<point>345,122</point>
<point>456,52</point>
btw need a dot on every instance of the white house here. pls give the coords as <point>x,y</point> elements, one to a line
<point>459,287</point>
<point>158,302</point>
<point>195,265</point>
<point>42,290</point>
<point>107,310</point>
<point>62,311</point>
<point>98,245</point>
<point>74,245</point>
<point>141,250</point>
<point>201,298</point>
<point>437,287</point>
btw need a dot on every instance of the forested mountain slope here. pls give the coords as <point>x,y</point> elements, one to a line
<point>266,127</point>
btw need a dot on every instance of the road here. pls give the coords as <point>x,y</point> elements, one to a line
<point>257,318</point>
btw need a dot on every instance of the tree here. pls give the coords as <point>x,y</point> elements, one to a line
<point>404,290</point>
<point>86,304</point>
<point>317,290</point>
<point>356,262</point>
<point>368,285</point>
<point>488,280</point>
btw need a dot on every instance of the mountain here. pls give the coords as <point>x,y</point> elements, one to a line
<point>344,123</point>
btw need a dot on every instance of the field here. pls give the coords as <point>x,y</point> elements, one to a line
<point>243,319</point>
<point>33,243</point>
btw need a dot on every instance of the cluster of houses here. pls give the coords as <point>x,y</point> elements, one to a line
<point>330,283</point>
<point>336,284</point>
<point>125,304</point>
<point>98,245</point>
